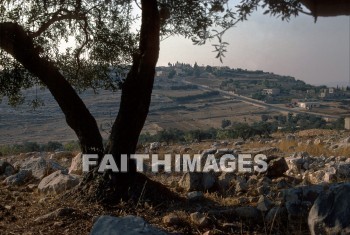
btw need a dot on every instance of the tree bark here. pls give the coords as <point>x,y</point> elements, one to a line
<point>136,95</point>
<point>15,41</point>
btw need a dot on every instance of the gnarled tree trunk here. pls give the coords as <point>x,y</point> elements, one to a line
<point>136,96</point>
<point>15,41</point>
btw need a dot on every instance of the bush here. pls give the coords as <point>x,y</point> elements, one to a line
<point>225,123</point>
<point>71,146</point>
<point>52,146</point>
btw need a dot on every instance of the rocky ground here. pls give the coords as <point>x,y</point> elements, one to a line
<point>305,190</point>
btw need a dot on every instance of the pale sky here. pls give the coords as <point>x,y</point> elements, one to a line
<point>317,53</point>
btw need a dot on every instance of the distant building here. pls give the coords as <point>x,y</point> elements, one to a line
<point>308,105</point>
<point>272,91</point>
<point>179,72</point>
<point>310,92</point>
<point>347,123</point>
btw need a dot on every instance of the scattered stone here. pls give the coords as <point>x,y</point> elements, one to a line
<point>318,141</point>
<point>316,177</point>
<point>22,177</point>
<point>41,167</point>
<point>330,177</point>
<point>197,181</point>
<point>195,196</point>
<point>199,219</point>
<point>128,225</point>
<point>331,211</point>
<point>241,187</point>
<point>290,137</point>
<point>61,212</point>
<point>253,180</point>
<point>277,166</point>
<point>238,143</point>
<point>343,170</point>
<point>264,204</point>
<point>225,180</point>
<point>263,190</point>
<point>58,182</point>
<point>171,219</point>
<point>299,200</point>
<point>6,169</point>
<point>281,184</point>
<point>191,181</point>
<point>76,167</point>
<point>154,146</point>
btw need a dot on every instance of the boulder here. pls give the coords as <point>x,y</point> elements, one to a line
<point>77,165</point>
<point>128,225</point>
<point>197,181</point>
<point>277,166</point>
<point>6,169</point>
<point>343,170</point>
<point>299,200</point>
<point>295,164</point>
<point>331,211</point>
<point>22,177</point>
<point>41,167</point>
<point>317,176</point>
<point>58,182</point>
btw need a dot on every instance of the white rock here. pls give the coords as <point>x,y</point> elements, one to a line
<point>77,165</point>
<point>58,182</point>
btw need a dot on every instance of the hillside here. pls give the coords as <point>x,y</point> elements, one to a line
<point>183,102</point>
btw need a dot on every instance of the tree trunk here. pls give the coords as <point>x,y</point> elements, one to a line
<point>16,42</point>
<point>136,95</point>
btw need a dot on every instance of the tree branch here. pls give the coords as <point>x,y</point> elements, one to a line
<point>56,17</point>
<point>16,41</point>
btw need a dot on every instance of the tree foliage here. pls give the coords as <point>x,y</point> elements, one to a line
<point>102,41</point>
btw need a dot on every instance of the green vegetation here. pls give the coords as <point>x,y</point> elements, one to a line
<point>184,87</point>
<point>264,129</point>
<point>236,130</point>
<point>196,97</point>
<point>225,123</point>
<point>26,147</point>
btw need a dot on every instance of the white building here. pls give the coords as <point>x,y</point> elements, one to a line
<point>308,105</point>
<point>272,91</point>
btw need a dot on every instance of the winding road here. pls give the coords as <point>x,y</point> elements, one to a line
<point>258,102</point>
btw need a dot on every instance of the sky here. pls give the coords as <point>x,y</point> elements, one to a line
<point>317,53</point>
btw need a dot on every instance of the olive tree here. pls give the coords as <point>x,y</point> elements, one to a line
<point>31,32</point>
